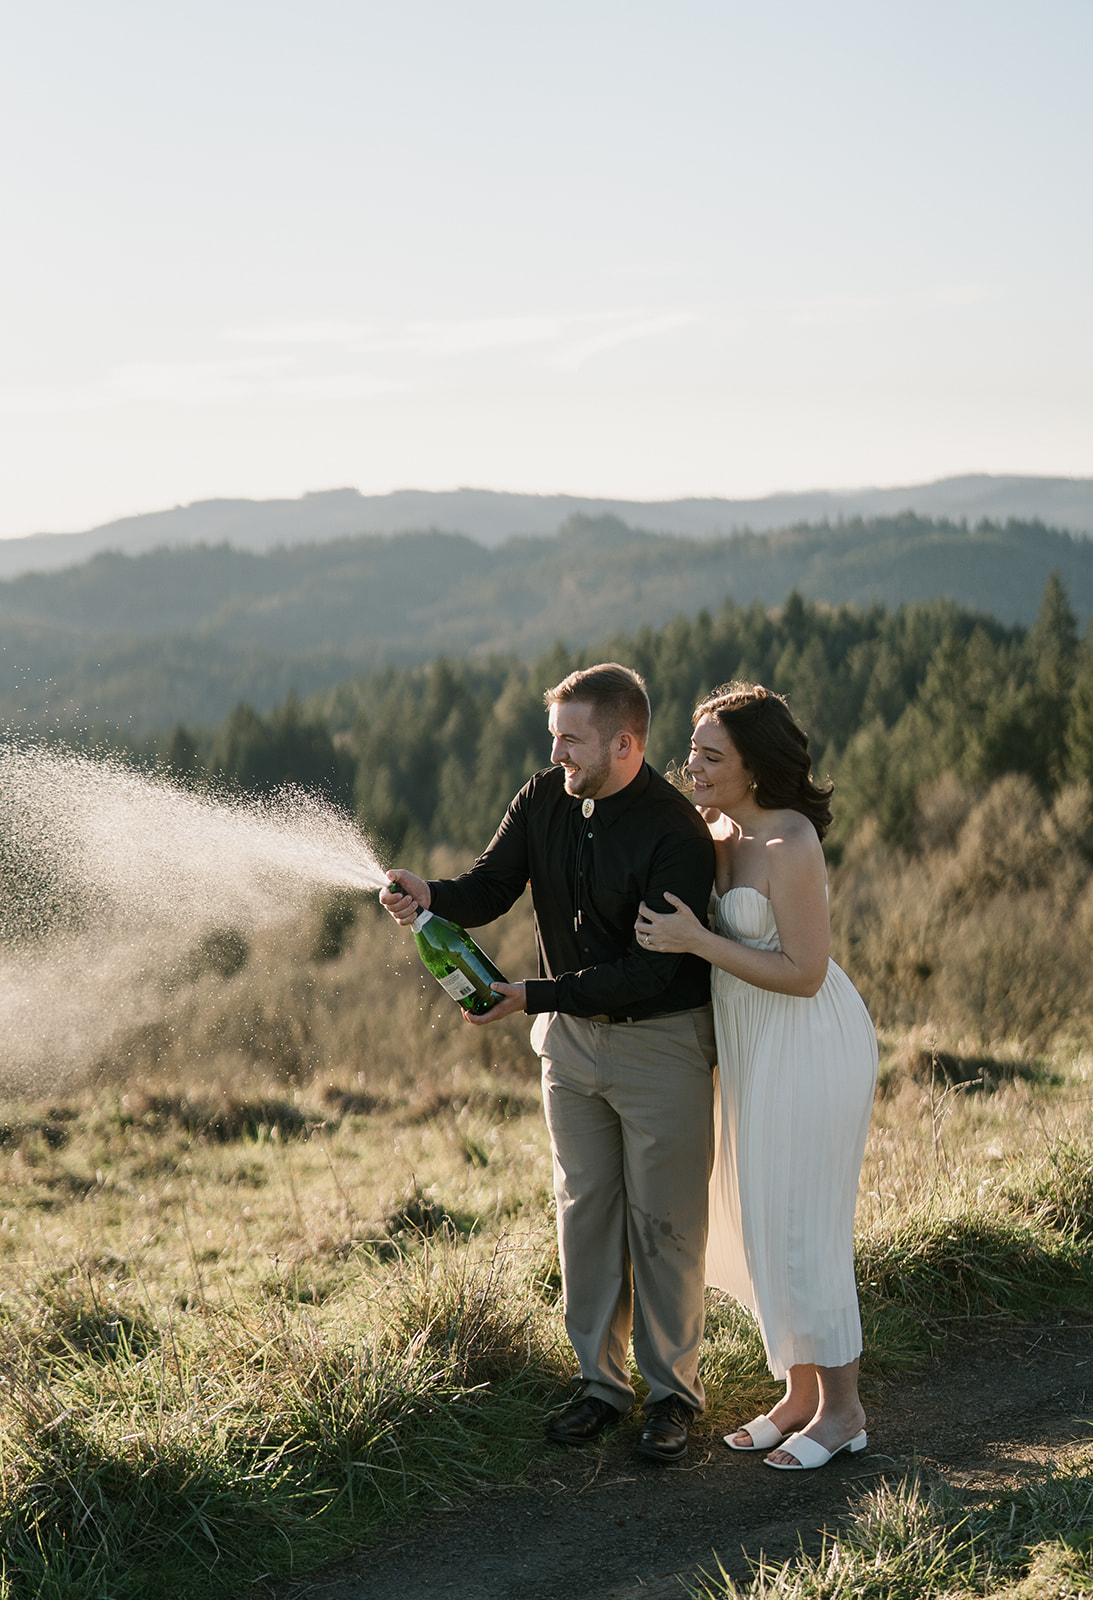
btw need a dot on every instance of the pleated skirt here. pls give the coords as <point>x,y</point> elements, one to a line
<point>797,1078</point>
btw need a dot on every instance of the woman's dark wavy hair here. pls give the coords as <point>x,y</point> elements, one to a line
<point>774,748</point>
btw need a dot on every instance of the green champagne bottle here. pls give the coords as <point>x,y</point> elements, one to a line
<point>456,962</point>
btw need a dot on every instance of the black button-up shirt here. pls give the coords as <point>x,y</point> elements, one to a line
<point>588,875</point>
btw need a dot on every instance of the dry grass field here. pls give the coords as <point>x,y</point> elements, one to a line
<point>282,1273</point>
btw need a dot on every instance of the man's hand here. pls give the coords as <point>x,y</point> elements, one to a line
<point>515,996</point>
<point>405,896</point>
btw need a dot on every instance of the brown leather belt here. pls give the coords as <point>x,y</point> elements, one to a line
<point>606,1016</point>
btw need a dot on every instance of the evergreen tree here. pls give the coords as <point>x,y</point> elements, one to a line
<point>180,756</point>
<point>884,697</point>
<point>1079,731</point>
<point>871,781</point>
<point>290,747</point>
<point>1053,652</point>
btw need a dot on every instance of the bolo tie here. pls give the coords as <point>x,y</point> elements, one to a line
<point>587,808</point>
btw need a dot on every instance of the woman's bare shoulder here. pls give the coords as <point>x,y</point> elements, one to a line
<point>790,838</point>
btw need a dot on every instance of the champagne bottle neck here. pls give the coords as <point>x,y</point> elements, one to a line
<point>420,920</point>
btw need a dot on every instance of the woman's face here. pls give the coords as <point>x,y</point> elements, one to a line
<point>721,779</point>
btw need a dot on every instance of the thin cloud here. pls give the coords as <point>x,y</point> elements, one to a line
<point>193,383</point>
<point>175,383</point>
<point>301,333</point>
<point>197,384</point>
<point>628,332</point>
<point>462,336</point>
<point>287,372</point>
<point>569,339</point>
<point>336,386</point>
<point>821,310</point>
<point>475,335</point>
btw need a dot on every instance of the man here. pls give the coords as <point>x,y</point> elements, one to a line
<point>626,1040</point>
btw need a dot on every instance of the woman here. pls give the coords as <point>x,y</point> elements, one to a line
<point>798,1069</point>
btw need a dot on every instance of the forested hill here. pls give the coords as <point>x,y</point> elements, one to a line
<point>491,517</point>
<point>915,713</point>
<point>185,634</point>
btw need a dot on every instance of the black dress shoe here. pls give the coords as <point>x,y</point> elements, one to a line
<point>584,1420</point>
<point>664,1436</point>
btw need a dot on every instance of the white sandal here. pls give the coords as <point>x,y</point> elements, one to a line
<point>810,1454</point>
<point>764,1434</point>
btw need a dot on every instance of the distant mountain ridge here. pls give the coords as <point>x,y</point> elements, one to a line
<point>490,517</point>
<point>183,634</point>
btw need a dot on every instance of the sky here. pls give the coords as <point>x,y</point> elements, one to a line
<point>597,247</point>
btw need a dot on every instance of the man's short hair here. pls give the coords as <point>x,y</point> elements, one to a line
<point>617,695</point>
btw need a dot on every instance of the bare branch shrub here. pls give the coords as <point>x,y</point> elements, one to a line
<point>983,930</point>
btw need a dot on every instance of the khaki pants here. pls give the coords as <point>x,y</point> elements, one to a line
<point>629,1106</point>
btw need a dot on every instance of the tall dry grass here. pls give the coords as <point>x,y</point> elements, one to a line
<point>916,1538</point>
<point>285,1273</point>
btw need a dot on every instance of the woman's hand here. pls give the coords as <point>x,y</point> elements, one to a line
<point>668,932</point>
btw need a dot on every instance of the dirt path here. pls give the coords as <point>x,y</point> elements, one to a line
<point>605,1527</point>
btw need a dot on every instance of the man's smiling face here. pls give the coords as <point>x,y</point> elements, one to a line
<point>580,748</point>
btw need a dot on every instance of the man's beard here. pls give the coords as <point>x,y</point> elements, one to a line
<point>593,775</point>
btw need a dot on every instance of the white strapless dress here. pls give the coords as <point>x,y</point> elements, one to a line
<point>797,1078</point>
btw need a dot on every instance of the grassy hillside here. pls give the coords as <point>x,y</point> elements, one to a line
<point>284,1277</point>
<point>183,635</point>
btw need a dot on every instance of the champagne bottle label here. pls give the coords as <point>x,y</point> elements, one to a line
<point>463,970</point>
<point>455,984</point>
